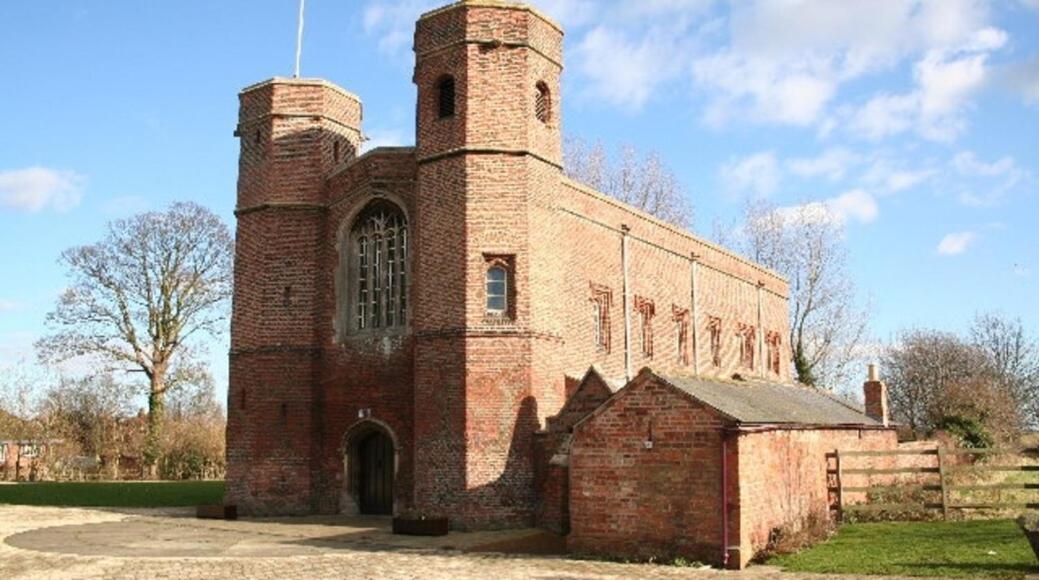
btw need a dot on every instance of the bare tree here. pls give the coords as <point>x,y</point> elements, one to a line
<point>806,245</point>
<point>89,411</point>
<point>1014,357</point>
<point>194,444</point>
<point>643,181</point>
<point>920,368</point>
<point>139,296</point>
<point>937,378</point>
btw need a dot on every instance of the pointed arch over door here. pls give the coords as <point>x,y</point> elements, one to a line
<point>371,456</point>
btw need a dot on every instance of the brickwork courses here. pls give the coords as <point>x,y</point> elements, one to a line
<point>364,307</point>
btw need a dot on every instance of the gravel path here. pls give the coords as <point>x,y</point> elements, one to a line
<point>46,542</point>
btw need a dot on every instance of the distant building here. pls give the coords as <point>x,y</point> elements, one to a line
<point>23,459</point>
<point>412,326</point>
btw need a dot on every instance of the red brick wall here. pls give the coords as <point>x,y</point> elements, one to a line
<point>659,270</point>
<point>287,129</point>
<point>552,480</point>
<point>482,384</point>
<point>783,478</point>
<point>629,501</point>
<point>461,391</point>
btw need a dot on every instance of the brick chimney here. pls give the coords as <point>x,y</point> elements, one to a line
<point>876,397</point>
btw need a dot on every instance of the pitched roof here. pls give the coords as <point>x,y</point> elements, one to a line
<point>770,403</point>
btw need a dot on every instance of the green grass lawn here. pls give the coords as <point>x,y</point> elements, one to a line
<point>114,494</point>
<point>992,548</point>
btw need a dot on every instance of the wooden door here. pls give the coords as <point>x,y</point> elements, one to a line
<point>376,459</point>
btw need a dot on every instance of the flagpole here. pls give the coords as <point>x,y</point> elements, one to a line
<point>299,39</point>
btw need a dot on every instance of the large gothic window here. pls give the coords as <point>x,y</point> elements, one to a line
<point>378,268</point>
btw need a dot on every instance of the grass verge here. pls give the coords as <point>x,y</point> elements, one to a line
<point>114,494</point>
<point>984,548</point>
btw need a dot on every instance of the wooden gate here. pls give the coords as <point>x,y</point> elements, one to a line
<point>935,470</point>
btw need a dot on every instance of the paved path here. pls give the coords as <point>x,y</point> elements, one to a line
<point>44,542</point>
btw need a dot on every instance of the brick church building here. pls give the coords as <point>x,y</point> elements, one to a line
<point>457,329</point>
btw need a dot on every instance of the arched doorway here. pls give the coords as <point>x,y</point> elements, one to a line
<point>371,454</point>
<point>375,463</point>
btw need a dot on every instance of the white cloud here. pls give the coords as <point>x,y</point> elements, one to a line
<point>786,61</point>
<point>884,115</point>
<point>769,91</point>
<point>945,79</point>
<point>832,164</point>
<point>623,71</point>
<point>1022,271</point>
<point>394,22</point>
<point>967,163</point>
<point>758,174</point>
<point>34,189</point>
<point>986,183</point>
<point>1023,79</point>
<point>956,243</point>
<point>852,206</point>
<point>8,305</point>
<point>887,176</point>
<point>766,61</point>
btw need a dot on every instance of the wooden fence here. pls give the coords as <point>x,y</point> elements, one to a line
<point>934,470</point>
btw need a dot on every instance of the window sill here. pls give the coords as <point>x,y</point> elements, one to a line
<point>498,319</point>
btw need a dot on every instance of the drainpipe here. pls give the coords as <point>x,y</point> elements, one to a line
<point>725,499</point>
<point>693,312</point>
<point>627,301</point>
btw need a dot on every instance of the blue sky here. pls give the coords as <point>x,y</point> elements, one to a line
<point>915,122</point>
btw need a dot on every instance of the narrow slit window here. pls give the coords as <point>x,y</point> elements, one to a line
<point>542,103</point>
<point>714,330</point>
<point>601,299</point>
<point>446,97</point>
<point>774,353</point>
<point>747,337</point>
<point>646,311</point>
<point>497,290</point>
<point>681,317</point>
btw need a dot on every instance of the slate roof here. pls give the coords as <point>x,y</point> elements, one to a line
<point>758,402</point>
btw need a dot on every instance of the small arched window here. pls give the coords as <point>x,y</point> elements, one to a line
<point>542,103</point>
<point>377,269</point>
<point>497,290</point>
<point>446,96</point>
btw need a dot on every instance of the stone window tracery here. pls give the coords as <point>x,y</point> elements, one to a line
<point>378,268</point>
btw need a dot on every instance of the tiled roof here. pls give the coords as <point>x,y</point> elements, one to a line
<point>764,402</point>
